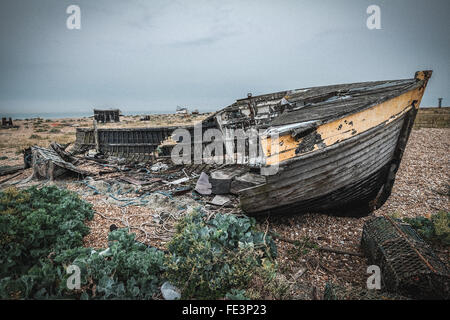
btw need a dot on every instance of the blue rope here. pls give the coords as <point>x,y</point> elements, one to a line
<point>129,201</point>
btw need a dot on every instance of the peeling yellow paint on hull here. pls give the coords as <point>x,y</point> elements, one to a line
<point>344,128</point>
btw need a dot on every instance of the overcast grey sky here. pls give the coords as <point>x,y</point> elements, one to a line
<point>153,55</point>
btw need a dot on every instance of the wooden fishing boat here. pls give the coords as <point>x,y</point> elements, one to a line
<point>337,148</point>
<point>334,148</point>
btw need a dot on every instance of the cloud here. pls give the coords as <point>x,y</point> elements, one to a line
<point>200,41</point>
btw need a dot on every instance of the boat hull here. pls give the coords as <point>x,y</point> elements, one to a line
<point>353,176</point>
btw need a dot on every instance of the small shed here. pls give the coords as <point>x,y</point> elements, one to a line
<point>110,115</point>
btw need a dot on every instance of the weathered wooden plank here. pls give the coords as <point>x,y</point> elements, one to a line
<point>351,199</point>
<point>344,149</point>
<point>10,169</point>
<point>329,162</point>
<point>317,183</point>
<point>139,182</point>
<point>320,185</point>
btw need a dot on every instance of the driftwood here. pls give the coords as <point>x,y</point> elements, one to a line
<point>60,150</point>
<point>102,161</point>
<point>182,190</point>
<point>139,182</point>
<point>339,251</point>
<point>10,169</point>
<point>9,178</point>
<point>102,172</point>
<point>328,249</point>
<point>48,164</point>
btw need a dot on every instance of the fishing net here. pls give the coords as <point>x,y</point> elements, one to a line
<point>408,265</point>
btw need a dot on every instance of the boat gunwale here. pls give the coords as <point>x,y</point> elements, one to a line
<point>369,105</point>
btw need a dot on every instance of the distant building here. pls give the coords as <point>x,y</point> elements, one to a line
<point>111,115</point>
<point>181,110</point>
<point>195,111</point>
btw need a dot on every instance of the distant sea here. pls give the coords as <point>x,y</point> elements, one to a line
<point>81,114</point>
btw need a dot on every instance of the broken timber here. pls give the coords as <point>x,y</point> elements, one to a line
<point>136,143</point>
<point>10,169</point>
<point>47,164</point>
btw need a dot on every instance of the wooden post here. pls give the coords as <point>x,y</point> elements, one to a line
<point>97,144</point>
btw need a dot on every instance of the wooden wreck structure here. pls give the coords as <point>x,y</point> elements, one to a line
<point>132,143</point>
<point>7,123</point>
<point>104,116</point>
<point>337,148</point>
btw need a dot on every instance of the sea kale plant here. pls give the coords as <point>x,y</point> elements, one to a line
<point>212,258</point>
<point>41,235</point>
<point>127,269</point>
<point>434,229</point>
<point>35,225</point>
